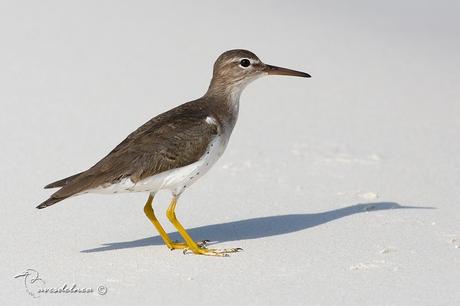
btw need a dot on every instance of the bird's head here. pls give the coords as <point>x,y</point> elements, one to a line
<point>235,69</point>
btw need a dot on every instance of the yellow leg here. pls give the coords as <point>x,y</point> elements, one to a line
<point>151,215</point>
<point>192,245</point>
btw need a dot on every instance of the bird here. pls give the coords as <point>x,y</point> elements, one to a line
<point>174,149</point>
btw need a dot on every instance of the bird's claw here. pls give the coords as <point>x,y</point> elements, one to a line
<point>182,245</point>
<point>212,252</point>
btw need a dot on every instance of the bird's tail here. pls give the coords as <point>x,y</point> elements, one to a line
<point>69,187</point>
<point>57,196</point>
<point>51,201</point>
<point>63,182</point>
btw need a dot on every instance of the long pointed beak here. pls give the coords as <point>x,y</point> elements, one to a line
<point>273,70</point>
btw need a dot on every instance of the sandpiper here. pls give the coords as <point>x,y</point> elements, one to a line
<point>174,149</point>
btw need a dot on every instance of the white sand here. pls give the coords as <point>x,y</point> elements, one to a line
<point>318,184</point>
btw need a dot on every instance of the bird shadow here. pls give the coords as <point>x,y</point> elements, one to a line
<point>258,227</point>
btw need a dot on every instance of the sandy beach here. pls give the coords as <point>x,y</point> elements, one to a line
<point>342,189</point>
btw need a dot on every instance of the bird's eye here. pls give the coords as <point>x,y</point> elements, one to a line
<point>245,63</point>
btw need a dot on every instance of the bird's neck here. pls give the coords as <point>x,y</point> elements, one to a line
<point>226,99</point>
<point>225,89</point>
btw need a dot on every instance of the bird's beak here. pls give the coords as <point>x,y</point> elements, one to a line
<point>273,70</point>
<point>21,275</point>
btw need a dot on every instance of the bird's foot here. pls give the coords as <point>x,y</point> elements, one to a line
<point>175,245</point>
<point>211,252</point>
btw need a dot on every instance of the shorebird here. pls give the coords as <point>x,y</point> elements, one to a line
<point>174,149</point>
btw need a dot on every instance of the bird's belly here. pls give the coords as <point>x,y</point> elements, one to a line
<point>175,180</point>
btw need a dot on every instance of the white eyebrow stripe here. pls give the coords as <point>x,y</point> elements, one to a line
<point>237,59</point>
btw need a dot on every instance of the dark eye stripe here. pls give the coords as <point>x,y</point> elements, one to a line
<point>245,62</point>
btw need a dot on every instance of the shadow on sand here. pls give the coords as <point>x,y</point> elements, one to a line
<point>258,227</point>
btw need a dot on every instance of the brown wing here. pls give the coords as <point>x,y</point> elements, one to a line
<point>171,140</point>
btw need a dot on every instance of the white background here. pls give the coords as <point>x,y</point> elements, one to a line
<point>316,179</point>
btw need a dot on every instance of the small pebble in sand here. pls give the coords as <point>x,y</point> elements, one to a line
<point>376,157</point>
<point>363,266</point>
<point>368,196</point>
<point>387,250</point>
